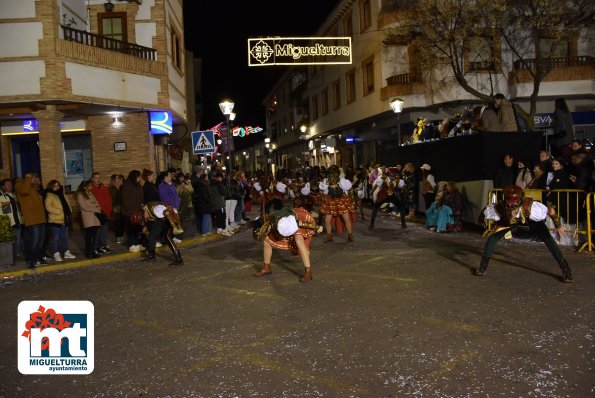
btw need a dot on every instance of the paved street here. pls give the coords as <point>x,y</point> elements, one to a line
<point>396,313</point>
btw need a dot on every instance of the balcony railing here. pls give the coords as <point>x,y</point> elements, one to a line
<point>91,39</point>
<point>404,78</point>
<point>583,60</point>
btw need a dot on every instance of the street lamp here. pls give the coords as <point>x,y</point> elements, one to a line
<point>226,107</point>
<point>397,106</point>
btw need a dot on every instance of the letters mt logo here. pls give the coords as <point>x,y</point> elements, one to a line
<point>55,337</point>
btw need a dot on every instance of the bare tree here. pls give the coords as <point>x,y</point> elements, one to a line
<point>471,37</point>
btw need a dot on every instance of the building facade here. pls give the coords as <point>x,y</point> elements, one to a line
<point>90,86</point>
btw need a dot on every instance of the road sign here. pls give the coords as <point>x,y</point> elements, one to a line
<point>203,142</point>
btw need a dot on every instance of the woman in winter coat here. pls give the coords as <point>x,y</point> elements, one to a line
<point>89,208</point>
<point>132,205</point>
<point>59,213</point>
<point>205,202</point>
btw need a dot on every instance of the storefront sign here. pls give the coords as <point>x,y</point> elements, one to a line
<point>161,122</point>
<point>299,51</point>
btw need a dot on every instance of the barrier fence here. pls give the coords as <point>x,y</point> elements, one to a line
<point>574,206</point>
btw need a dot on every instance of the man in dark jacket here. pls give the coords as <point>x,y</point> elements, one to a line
<point>506,174</point>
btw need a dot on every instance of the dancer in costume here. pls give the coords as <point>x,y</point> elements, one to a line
<point>385,192</point>
<point>516,211</point>
<point>165,224</point>
<point>304,198</point>
<point>337,204</point>
<point>288,229</point>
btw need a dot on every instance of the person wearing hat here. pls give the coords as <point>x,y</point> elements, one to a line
<point>515,211</point>
<point>337,205</point>
<point>287,229</point>
<point>428,190</point>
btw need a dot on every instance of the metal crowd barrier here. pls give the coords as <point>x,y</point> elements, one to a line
<point>575,207</point>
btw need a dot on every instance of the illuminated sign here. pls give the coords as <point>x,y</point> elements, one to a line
<point>299,51</point>
<point>244,131</point>
<point>30,125</point>
<point>161,122</point>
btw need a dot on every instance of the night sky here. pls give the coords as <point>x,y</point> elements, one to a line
<point>218,32</point>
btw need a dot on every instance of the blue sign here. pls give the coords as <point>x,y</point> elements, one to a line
<point>203,142</point>
<point>161,122</point>
<point>30,125</point>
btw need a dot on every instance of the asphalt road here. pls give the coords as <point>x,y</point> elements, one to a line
<point>396,313</point>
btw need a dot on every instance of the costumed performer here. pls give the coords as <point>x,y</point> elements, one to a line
<point>515,212</point>
<point>165,224</point>
<point>337,205</point>
<point>287,229</point>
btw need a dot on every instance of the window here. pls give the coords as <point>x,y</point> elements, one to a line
<point>336,94</point>
<point>480,53</point>
<point>112,26</point>
<point>324,101</point>
<point>176,49</point>
<point>368,75</point>
<point>348,25</point>
<point>350,86</point>
<point>365,14</point>
<point>314,107</point>
<point>552,48</point>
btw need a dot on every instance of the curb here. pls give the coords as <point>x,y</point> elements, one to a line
<point>19,273</point>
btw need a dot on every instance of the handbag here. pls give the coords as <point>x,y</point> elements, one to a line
<point>102,218</point>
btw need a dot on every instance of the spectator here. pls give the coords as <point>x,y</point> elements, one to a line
<point>240,179</point>
<point>34,218</point>
<point>132,207</point>
<point>445,213</point>
<point>194,181</point>
<point>559,180</point>
<point>408,193</point>
<point>563,129</point>
<point>487,117</point>
<point>506,114</point>
<point>59,213</point>
<point>169,195</point>
<point>428,190</point>
<point>89,209</point>
<point>150,191</point>
<point>103,197</point>
<point>206,203</point>
<point>524,176</point>
<point>218,196</point>
<point>539,180</point>
<point>546,159</point>
<point>11,208</point>
<point>580,171</point>
<point>115,190</point>
<point>185,190</point>
<point>506,174</point>
<point>577,146</point>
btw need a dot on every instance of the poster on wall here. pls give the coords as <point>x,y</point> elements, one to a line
<point>73,162</point>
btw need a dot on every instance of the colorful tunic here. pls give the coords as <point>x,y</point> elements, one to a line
<point>306,227</point>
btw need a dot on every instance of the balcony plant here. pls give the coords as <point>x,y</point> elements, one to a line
<point>7,237</point>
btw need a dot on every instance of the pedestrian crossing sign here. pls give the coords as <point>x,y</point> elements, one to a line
<point>203,142</point>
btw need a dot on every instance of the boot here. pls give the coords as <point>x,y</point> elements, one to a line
<point>350,237</point>
<point>329,238</point>
<point>177,259</point>
<point>307,275</point>
<point>566,274</point>
<point>149,256</point>
<point>403,224</point>
<point>265,269</point>
<point>482,266</point>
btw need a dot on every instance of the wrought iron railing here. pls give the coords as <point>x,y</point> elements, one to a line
<point>403,78</point>
<point>560,62</point>
<point>91,39</point>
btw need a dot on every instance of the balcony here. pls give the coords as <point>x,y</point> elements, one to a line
<point>107,43</point>
<point>562,69</point>
<point>403,84</point>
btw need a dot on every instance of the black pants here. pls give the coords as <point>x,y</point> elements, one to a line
<point>536,228</point>
<point>90,235</point>
<point>161,230</point>
<point>389,199</point>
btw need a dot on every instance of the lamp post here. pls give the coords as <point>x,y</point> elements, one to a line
<point>396,105</point>
<point>226,107</point>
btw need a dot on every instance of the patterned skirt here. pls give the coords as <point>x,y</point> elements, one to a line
<point>337,206</point>
<point>288,243</point>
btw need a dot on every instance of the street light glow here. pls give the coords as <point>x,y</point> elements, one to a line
<point>226,107</point>
<point>397,105</point>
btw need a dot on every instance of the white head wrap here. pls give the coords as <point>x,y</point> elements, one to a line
<point>280,187</point>
<point>257,186</point>
<point>323,187</point>
<point>345,184</point>
<point>306,190</point>
<point>287,226</point>
<point>538,211</point>
<point>159,210</point>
